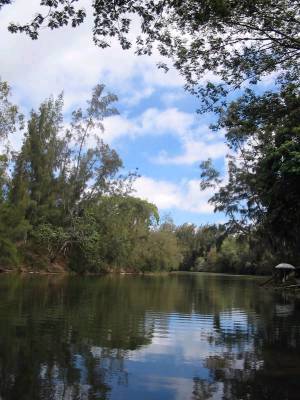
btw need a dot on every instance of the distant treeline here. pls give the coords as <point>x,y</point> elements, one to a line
<point>213,248</point>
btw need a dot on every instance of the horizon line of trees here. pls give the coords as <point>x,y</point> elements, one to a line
<point>66,202</point>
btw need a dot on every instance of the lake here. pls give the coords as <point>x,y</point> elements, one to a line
<point>178,336</point>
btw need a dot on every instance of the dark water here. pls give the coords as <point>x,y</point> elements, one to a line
<point>185,336</point>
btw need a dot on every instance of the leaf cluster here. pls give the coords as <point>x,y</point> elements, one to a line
<point>216,45</point>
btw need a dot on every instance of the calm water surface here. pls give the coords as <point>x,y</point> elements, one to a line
<point>183,337</point>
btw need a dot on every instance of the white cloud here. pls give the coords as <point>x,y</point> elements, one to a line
<point>117,127</point>
<point>170,120</point>
<point>172,97</point>
<point>137,96</point>
<point>68,59</point>
<point>194,152</point>
<point>185,195</point>
<point>151,122</point>
<point>197,140</point>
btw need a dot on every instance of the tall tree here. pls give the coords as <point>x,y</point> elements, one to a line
<point>36,165</point>
<point>62,175</point>
<point>10,117</point>
<point>262,192</point>
<point>12,225</point>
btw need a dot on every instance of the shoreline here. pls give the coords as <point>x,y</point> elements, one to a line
<point>147,273</point>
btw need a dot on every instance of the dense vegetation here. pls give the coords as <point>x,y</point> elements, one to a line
<point>261,196</point>
<point>67,204</point>
<point>65,200</point>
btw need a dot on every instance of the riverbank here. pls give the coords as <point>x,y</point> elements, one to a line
<point>59,270</point>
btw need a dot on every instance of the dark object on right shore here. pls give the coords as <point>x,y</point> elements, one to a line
<point>283,272</point>
<point>284,276</point>
<point>287,273</point>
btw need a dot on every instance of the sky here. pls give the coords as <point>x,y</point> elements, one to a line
<point>158,130</point>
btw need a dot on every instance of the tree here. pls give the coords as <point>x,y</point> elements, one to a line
<point>236,41</point>
<point>110,231</point>
<point>56,167</point>
<point>262,193</point>
<point>10,117</point>
<point>34,180</point>
<point>159,252</point>
<point>61,174</point>
<point>12,225</point>
<point>196,243</point>
<point>67,202</point>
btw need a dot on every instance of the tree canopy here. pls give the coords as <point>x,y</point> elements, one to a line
<point>66,200</point>
<point>217,45</point>
<point>262,192</point>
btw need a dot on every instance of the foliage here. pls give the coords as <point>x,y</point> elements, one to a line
<point>13,230</point>
<point>160,252</point>
<point>68,202</point>
<point>262,193</point>
<point>234,255</point>
<point>10,118</point>
<point>196,243</point>
<point>65,200</point>
<point>233,41</point>
<point>110,231</point>
<point>12,225</point>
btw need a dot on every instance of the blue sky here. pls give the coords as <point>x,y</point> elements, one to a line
<point>157,131</point>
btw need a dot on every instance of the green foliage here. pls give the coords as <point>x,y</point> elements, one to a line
<point>239,41</point>
<point>11,226</point>
<point>200,264</point>
<point>10,118</point>
<point>159,252</point>
<point>51,238</point>
<point>67,200</point>
<point>60,186</point>
<point>262,194</point>
<point>209,175</point>
<point>13,229</point>
<point>234,255</point>
<point>108,232</point>
<point>196,243</point>
<point>214,248</point>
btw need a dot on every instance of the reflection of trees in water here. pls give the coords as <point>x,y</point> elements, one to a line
<point>264,368</point>
<point>257,383</point>
<point>60,340</point>
<point>203,389</point>
<point>40,368</point>
<point>68,338</point>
